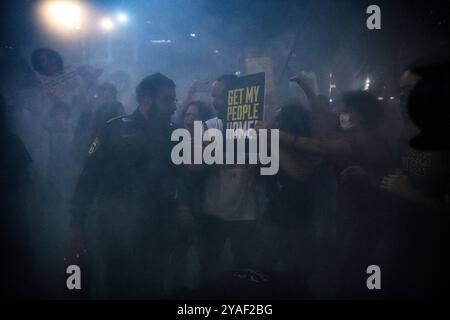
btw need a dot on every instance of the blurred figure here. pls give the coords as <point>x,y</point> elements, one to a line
<point>122,80</point>
<point>60,161</point>
<point>106,92</point>
<point>89,76</point>
<point>50,111</point>
<point>419,188</point>
<point>125,201</point>
<point>59,82</point>
<point>196,111</point>
<point>218,91</point>
<point>361,158</point>
<point>324,183</point>
<point>231,205</point>
<point>193,178</point>
<point>61,176</point>
<point>102,108</point>
<point>47,62</point>
<point>431,89</point>
<point>17,271</point>
<point>197,88</point>
<point>290,208</point>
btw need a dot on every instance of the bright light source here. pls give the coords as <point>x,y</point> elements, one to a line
<point>238,73</point>
<point>122,17</point>
<point>193,35</point>
<point>392,98</point>
<point>331,100</point>
<point>380,98</point>
<point>367,84</point>
<point>62,14</point>
<point>107,24</point>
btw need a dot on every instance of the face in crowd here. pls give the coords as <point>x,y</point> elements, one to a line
<point>192,114</point>
<point>163,104</point>
<point>47,63</point>
<point>349,120</point>
<point>218,90</point>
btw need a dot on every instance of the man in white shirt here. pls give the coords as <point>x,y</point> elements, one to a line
<point>231,204</point>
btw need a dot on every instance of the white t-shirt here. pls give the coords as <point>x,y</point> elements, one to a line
<point>231,192</point>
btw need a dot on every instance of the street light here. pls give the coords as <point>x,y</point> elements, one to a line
<point>65,15</point>
<point>106,24</point>
<point>122,17</point>
<point>367,84</point>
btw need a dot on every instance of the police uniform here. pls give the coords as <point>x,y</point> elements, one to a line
<point>125,203</point>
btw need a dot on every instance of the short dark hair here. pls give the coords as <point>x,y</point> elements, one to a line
<point>204,109</point>
<point>227,79</point>
<point>51,53</point>
<point>366,105</point>
<point>150,84</point>
<point>107,86</point>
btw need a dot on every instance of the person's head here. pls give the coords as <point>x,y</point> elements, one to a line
<point>46,61</point>
<point>428,106</point>
<point>359,110</point>
<point>89,74</point>
<point>408,80</point>
<point>218,92</point>
<point>156,96</point>
<point>294,119</point>
<point>121,79</point>
<point>106,92</point>
<point>196,111</point>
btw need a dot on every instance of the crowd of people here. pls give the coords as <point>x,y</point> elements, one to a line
<point>96,186</point>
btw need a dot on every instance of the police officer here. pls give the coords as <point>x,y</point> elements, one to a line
<point>123,207</point>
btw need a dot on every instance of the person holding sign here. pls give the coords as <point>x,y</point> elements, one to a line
<point>232,200</point>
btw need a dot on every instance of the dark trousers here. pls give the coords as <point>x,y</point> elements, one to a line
<point>212,235</point>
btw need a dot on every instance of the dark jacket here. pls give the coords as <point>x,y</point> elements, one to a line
<point>128,187</point>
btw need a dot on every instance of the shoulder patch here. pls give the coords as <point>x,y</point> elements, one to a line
<point>94,146</point>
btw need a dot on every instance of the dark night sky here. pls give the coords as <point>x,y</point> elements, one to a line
<point>422,20</point>
<point>328,33</point>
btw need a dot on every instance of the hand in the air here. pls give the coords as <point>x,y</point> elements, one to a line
<point>305,81</point>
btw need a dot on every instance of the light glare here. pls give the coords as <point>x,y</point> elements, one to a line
<point>122,17</point>
<point>107,24</point>
<point>63,14</point>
